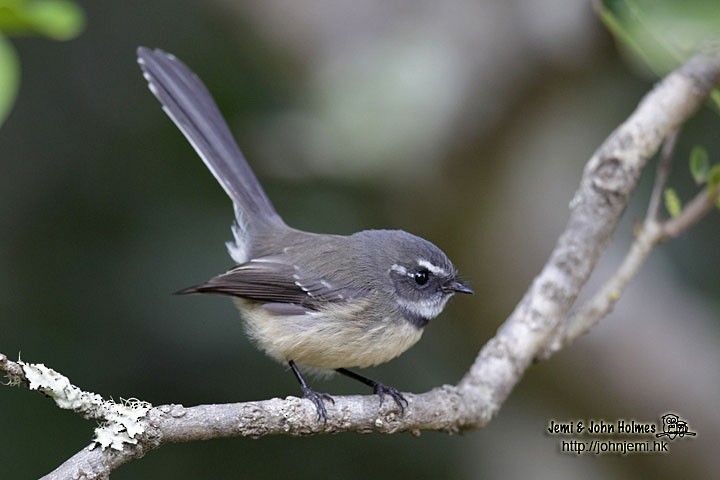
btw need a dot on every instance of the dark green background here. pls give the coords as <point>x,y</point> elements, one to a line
<point>105,211</point>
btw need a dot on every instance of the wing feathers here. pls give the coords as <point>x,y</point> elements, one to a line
<point>271,280</point>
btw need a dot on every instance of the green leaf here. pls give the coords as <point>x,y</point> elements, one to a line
<point>715,98</point>
<point>713,177</point>
<point>57,19</point>
<point>9,77</point>
<point>659,35</point>
<point>699,164</point>
<point>672,202</point>
<point>713,182</point>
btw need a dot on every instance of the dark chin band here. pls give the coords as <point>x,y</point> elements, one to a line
<point>415,320</point>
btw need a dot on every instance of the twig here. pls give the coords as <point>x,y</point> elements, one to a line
<point>652,233</point>
<point>663,171</point>
<point>12,370</point>
<point>693,211</point>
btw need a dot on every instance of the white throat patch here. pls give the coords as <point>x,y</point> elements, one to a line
<point>428,308</point>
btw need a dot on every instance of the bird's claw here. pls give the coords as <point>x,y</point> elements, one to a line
<point>318,399</point>
<point>398,397</point>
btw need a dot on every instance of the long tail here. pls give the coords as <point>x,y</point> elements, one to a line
<point>189,104</point>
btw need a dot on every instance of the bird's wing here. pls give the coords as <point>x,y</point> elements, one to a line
<point>274,280</point>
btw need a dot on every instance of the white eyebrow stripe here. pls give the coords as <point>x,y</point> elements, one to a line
<point>434,269</point>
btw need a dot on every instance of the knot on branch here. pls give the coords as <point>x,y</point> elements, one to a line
<point>611,177</point>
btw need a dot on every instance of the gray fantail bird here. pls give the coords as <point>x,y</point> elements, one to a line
<point>329,302</point>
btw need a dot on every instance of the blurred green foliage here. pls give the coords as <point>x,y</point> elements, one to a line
<point>9,77</point>
<point>713,178</point>
<point>56,19</point>
<point>699,164</point>
<point>702,172</point>
<point>660,35</point>
<point>672,202</point>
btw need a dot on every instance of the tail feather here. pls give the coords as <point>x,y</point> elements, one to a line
<point>188,103</point>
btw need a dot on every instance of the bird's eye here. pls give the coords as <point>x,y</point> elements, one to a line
<point>421,277</point>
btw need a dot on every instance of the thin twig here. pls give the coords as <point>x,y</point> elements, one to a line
<point>663,171</point>
<point>693,211</point>
<point>653,233</point>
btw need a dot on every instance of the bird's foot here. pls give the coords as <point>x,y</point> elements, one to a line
<point>318,399</point>
<point>381,390</point>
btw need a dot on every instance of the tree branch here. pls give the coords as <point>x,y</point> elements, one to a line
<point>13,371</point>
<point>608,181</point>
<point>652,233</point>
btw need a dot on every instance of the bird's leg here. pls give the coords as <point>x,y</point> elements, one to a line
<point>378,388</point>
<point>316,398</point>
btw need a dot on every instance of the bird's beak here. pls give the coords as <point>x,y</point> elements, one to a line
<point>459,287</point>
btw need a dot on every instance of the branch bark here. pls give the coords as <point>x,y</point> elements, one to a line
<point>529,333</point>
<point>652,233</point>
